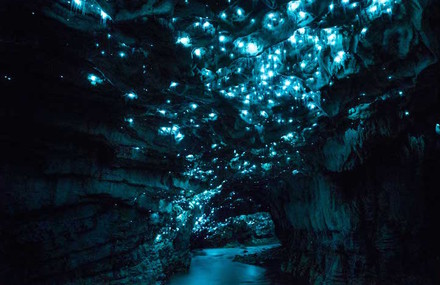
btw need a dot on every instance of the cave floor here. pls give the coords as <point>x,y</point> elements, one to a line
<point>216,266</point>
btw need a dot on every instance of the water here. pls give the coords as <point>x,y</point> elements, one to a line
<point>215,267</point>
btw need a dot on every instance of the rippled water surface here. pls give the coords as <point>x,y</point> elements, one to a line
<point>215,267</point>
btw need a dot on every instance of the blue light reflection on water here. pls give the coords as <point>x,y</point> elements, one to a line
<point>215,267</point>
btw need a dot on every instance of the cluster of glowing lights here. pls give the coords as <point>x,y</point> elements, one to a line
<point>257,76</point>
<point>276,74</point>
<point>185,41</point>
<point>173,131</point>
<point>94,79</point>
<point>84,6</point>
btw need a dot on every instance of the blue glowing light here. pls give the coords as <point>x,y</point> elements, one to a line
<point>340,57</point>
<point>193,106</point>
<point>185,41</point>
<point>178,136</point>
<point>251,48</point>
<point>174,131</point>
<point>162,112</point>
<point>198,52</point>
<point>78,5</point>
<point>94,79</point>
<point>206,25</point>
<point>292,6</point>
<point>104,16</point>
<point>131,96</point>
<point>213,116</point>
<point>292,39</point>
<point>372,9</point>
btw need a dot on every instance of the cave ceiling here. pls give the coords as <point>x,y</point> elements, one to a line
<point>241,89</point>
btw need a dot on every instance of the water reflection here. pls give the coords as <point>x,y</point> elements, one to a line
<point>215,267</point>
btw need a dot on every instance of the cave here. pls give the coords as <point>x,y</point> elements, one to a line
<point>219,142</point>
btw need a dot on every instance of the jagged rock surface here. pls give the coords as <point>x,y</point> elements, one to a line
<point>97,187</point>
<point>82,200</point>
<point>366,213</point>
<point>248,230</point>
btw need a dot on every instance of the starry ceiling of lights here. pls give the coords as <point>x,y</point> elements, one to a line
<point>239,88</point>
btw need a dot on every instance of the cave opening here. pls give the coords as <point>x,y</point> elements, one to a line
<point>219,142</point>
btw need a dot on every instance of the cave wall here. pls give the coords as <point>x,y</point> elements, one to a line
<point>363,209</point>
<point>366,212</point>
<point>89,224</point>
<point>88,176</point>
<point>83,200</point>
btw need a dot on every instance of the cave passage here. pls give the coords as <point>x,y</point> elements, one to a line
<point>219,142</point>
<point>216,266</point>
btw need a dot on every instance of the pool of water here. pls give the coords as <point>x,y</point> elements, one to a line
<point>215,267</point>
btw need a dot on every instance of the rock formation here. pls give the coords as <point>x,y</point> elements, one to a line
<point>126,124</point>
